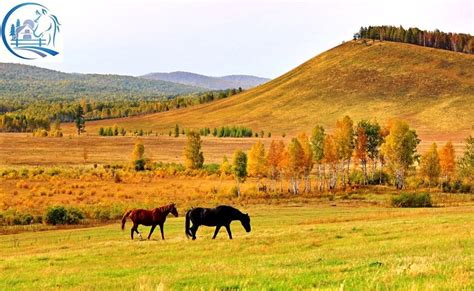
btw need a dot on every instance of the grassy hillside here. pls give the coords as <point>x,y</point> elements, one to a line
<point>290,247</point>
<point>433,89</point>
<point>30,83</point>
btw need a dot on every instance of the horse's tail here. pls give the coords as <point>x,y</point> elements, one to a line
<point>124,218</point>
<point>187,224</point>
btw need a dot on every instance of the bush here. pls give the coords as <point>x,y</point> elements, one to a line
<point>234,191</point>
<point>211,169</point>
<point>379,178</point>
<point>140,165</point>
<point>456,187</point>
<point>22,219</point>
<point>357,177</point>
<point>412,200</point>
<point>74,216</point>
<point>56,215</point>
<point>60,215</point>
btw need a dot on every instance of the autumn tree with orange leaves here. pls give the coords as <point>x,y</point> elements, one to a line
<point>447,161</point>
<point>275,161</point>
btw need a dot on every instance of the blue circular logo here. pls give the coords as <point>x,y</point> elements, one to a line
<point>30,31</point>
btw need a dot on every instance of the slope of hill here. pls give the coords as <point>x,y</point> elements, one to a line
<point>212,83</point>
<point>433,89</point>
<point>23,81</point>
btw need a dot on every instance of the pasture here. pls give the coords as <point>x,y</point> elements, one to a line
<point>23,149</point>
<point>297,246</point>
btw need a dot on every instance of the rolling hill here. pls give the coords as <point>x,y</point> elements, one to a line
<point>211,83</point>
<point>21,82</point>
<point>432,89</point>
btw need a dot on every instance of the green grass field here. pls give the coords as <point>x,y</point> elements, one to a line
<point>297,247</point>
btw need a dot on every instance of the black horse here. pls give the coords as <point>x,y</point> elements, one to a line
<point>220,216</point>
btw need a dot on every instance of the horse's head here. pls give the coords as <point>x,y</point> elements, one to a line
<point>46,25</point>
<point>173,210</point>
<point>245,220</point>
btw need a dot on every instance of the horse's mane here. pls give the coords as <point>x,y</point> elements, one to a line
<point>165,208</point>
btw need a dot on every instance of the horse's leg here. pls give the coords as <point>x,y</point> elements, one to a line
<point>216,231</point>
<point>135,227</point>
<point>194,230</point>
<point>161,229</point>
<point>151,231</point>
<point>131,232</point>
<point>228,230</point>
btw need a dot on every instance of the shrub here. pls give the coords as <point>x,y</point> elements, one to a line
<point>412,200</point>
<point>26,219</point>
<point>56,215</point>
<point>357,177</point>
<point>74,216</point>
<point>234,191</point>
<point>140,165</point>
<point>211,169</point>
<point>456,187</point>
<point>60,215</point>
<point>378,178</point>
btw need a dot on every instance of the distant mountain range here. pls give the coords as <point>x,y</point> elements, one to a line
<point>212,83</point>
<point>25,82</point>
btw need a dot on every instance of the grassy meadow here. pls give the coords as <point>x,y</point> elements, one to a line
<point>295,246</point>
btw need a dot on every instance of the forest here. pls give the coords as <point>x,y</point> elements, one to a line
<point>458,42</point>
<point>38,115</point>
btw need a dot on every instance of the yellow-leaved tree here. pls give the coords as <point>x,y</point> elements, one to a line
<point>138,156</point>
<point>331,159</point>
<point>294,163</point>
<point>307,163</point>
<point>399,150</point>
<point>317,146</point>
<point>430,166</point>
<point>257,164</point>
<point>360,152</point>
<point>344,138</point>
<point>193,156</point>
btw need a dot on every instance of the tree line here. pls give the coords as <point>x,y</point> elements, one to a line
<point>361,154</point>
<point>223,131</point>
<point>458,42</point>
<point>18,116</point>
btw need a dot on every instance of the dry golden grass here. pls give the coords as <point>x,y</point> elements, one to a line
<point>23,149</point>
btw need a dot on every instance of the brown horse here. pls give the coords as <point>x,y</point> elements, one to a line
<point>151,218</point>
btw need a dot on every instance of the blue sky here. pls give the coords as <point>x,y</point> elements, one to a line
<point>262,37</point>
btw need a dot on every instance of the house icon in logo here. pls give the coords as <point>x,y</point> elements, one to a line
<point>22,32</point>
